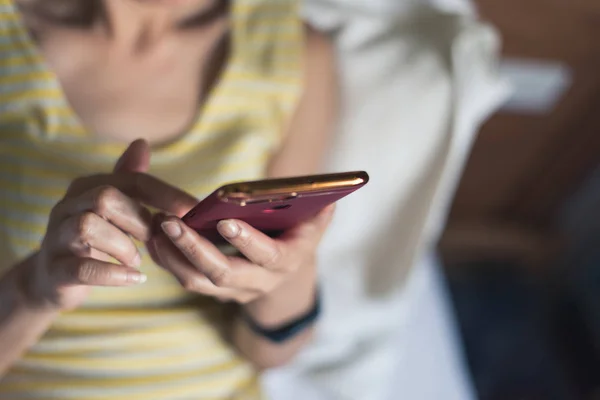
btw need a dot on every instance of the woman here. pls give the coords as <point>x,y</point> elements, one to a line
<point>219,92</point>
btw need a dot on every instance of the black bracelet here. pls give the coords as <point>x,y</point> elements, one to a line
<point>290,329</point>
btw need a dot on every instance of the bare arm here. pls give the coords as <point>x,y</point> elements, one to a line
<point>312,125</point>
<point>58,277</point>
<point>21,325</point>
<point>302,153</point>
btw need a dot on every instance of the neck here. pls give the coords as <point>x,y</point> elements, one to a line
<point>140,24</point>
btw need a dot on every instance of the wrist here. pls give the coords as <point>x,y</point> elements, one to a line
<point>290,301</point>
<point>291,329</point>
<point>27,292</point>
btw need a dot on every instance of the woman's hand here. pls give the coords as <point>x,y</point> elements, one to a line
<point>94,222</point>
<point>274,280</point>
<point>267,264</point>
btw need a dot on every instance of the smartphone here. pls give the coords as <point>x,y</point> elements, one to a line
<point>272,205</point>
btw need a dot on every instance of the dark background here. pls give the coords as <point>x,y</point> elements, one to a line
<point>522,244</point>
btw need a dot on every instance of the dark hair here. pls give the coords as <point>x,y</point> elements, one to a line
<point>67,12</point>
<point>82,13</point>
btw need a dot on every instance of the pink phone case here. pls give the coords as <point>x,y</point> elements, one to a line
<point>270,217</point>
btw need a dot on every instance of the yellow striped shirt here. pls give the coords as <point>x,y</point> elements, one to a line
<point>152,341</point>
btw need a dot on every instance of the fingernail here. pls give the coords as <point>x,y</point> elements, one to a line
<point>171,229</point>
<point>136,277</point>
<point>228,229</point>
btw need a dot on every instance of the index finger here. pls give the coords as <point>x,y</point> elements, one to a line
<point>140,186</point>
<point>254,245</point>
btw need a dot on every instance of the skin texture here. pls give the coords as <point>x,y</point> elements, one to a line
<point>274,283</point>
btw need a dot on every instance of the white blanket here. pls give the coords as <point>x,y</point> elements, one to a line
<point>416,84</point>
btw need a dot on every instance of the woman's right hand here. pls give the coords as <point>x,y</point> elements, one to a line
<point>96,221</point>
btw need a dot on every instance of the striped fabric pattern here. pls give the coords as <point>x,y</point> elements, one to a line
<point>152,341</point>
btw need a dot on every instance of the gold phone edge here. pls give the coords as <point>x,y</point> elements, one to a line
<point>256,190</point>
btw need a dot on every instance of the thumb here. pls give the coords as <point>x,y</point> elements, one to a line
<point>315,228</point>
<point>135,159</point>
<point>323,218</point>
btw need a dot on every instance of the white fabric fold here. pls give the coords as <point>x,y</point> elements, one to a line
<point>417,82</point>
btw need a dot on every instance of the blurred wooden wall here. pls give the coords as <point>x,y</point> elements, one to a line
<point>524,167</point>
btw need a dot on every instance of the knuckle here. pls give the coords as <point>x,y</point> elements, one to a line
<point>80,249</point>
<point>86,226</point>
<point>273,259</point>
<point>191,284</point>
<point>128,250</point>
<point>220,277</point>
<point>245,241</point>
<point>189,248</point>
<point>106,198</point>
<point>86,272</point>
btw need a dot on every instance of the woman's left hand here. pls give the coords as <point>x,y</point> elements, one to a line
<point>202,268</point>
